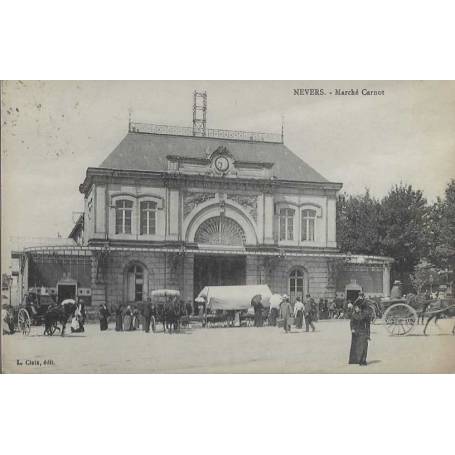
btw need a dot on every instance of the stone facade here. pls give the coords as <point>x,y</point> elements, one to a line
<point>144,228</point>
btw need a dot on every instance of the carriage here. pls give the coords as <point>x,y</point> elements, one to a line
<point>401,315</point>
<point>170,310</point>
<point>231,305</point>
<point>23,317</point>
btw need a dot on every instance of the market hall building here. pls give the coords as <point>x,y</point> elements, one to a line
<point>169,208</point>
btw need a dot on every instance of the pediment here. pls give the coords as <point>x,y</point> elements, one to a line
<point>219,162</point>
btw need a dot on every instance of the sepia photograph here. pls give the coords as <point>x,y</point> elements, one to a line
<point>228,226</point>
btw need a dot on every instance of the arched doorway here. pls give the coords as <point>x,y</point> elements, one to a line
<point>352,291</point>
<point>219,269</point>
<point>136,282</point>
<point>297,284</point>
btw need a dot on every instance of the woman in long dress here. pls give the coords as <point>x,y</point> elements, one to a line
<point>360,330</point>
<point>128,319</point>
<point>286,312</point>
<point>104,314</point>
<point>136,316</point>
<point>118,319</point>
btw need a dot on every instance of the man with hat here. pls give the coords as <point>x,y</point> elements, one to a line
<point>360,329</point>
<point>308,312</point>
<point>147,313</point>
<point>396,292</point>
<point>360,299</point>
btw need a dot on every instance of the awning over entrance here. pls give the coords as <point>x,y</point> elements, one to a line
<point>210,249</point>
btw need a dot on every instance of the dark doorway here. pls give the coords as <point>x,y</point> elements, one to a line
<point>66,291</point>
<point>218,271</point>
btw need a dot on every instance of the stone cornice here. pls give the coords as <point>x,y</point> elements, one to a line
<point>103,175</point>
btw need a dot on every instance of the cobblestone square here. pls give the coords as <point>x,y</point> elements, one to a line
<point>230,350</point>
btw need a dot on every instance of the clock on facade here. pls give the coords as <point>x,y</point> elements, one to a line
<point>222,164</point>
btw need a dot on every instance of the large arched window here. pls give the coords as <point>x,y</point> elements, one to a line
<point>123,212</point>
<point>287,224</point>
<point>148,218</point>
<point>220,230</point>
<point>296,284</point>
<point>308,225</point>
<point>136,283</point>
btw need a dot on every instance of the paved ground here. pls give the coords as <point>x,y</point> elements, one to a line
<point>236,350</point>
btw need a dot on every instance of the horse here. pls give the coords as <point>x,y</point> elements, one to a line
<point>438,309</point>
<point>58,314</point>
<point>173,311</point>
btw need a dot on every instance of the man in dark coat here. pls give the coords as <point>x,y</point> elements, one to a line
<point>256,302</point>
<point>189,308</point>
<point>423,309</point>
<point>360,330</point>
<point>309,315</point>
<point>147,313</point>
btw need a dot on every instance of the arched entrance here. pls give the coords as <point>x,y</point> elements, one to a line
<point>220,230</point>
<point>136,282</point>
<point>297,284</point>
<point>353,289</point>
<point>219,269</point>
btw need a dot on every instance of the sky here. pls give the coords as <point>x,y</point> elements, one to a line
<point>53,130</point>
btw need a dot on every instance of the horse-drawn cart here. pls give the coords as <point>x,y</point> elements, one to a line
<point>22,318</point>
<point>232,305</point>
<point>402,315</point>
<point>168,309</point>
<point>45,313</point>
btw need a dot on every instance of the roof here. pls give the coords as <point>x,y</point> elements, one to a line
<point>77,228</point>
<point>148,152</point>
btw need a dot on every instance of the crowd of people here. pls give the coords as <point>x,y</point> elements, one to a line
<point>302,313</point>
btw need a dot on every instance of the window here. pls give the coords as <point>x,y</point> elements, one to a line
<point>135,283</point>
<point>286,224</point>
<point>89,208</point>
<point>148,218</point>
<point>296,286</point>
<point>308,222</point>
<point>123,209</point>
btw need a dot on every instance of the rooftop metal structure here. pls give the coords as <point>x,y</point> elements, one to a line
<point>249,136</point>
<point>199,108</point>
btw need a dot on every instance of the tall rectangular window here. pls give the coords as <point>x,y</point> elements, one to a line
<point>308,223</point>
<point>123,211</point>
<point>148,218</point>
<point>286,224</point>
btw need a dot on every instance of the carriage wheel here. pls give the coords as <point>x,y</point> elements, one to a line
<point>24,322</point>
<point>400,319</point>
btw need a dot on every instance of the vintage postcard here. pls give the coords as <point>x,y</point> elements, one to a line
<point>228,226</point>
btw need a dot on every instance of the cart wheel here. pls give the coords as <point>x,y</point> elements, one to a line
<point>400,319</point>
<point>24,322</point>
